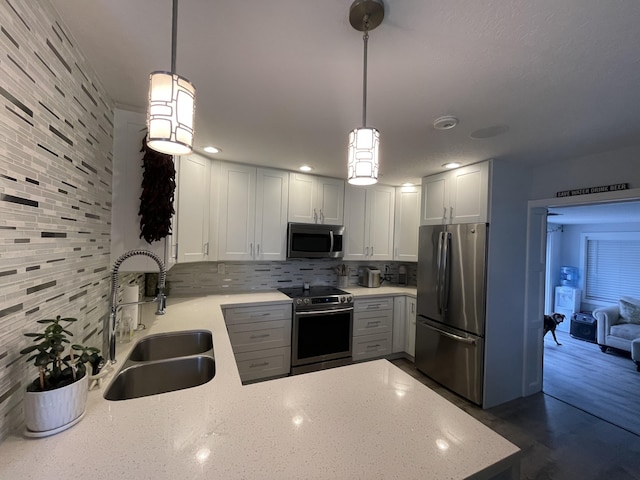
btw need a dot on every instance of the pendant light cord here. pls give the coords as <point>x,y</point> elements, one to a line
<point>365,38</point>
<point>174,35</point>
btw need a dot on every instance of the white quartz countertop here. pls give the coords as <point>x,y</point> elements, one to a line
<point>363,421</point>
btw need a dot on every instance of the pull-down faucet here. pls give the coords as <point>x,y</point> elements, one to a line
<point>109,330</point>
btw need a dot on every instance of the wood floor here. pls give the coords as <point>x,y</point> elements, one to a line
<point>557,441</point>
<point>606,385</point>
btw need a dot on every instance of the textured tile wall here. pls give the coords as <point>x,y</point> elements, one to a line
<point>55,190</point>
<point>203,278</point>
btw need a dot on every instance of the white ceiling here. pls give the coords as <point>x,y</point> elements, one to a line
<point>279,82</point>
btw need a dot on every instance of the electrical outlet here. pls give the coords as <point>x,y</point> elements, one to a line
<point>221,268</point>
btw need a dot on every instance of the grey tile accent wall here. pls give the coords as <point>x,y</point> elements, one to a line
<point>203,277</point>
<point>56,140</point>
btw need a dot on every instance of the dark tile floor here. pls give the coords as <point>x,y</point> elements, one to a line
<point>558,441</point>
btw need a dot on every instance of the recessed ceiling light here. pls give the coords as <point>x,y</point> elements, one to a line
<point>407,184</point>
<point>305,168</point>
<point>212,149</point>
<point>451,165</point>
<point>445,123</point>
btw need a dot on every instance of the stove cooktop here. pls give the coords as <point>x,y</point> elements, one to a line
<point>314,291</point>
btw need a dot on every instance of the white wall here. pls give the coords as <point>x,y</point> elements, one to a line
<point>615,166</point>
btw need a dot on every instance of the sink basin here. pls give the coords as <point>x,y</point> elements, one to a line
<point>142,379</point>
<point>171,345</point>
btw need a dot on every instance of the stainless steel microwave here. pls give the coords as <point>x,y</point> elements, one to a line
<point>305,240</point>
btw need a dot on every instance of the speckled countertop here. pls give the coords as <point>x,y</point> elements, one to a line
<point>364,421</point>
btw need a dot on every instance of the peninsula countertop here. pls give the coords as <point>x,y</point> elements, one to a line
<point>363,421</point>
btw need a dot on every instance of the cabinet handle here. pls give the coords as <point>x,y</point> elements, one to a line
<point>413,307</point>
<point>315,216</point>
<point>444,214</point>
<point>373,322</point>
<point>259,315</point>
<point>373,305</point>
<point>206,248</point>
<point>321,216</point>
<point>263,364</point>
<point>450,213</point>
<point>372,250</point>
<point>251,249</point>
<point>257,249</point>
<point>175,255</point>
<point>373,346</point>
<point>366,251</point>
<point>264,335</point>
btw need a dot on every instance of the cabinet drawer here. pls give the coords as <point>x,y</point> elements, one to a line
<point>371,346</point>
<point>373,304</point>
<point>258,313</point>
<point>264,363</point>
<point>372,322</point>
<point>247,337</point>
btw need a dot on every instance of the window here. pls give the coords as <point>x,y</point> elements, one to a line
<point>611,266</point>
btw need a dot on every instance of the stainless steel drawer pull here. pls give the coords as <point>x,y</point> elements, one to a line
<point>255,365</point>
<point>374,305</point>
<point>373,322</point>
<point>373,346</point>
<point>264,335</point>
<point>260,315</point>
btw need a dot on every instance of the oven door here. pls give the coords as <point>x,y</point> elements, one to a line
<point>321,335</point>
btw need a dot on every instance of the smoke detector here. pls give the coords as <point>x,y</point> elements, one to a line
<point>445,123</point>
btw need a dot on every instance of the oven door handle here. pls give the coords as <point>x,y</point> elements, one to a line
<point>325,312</point>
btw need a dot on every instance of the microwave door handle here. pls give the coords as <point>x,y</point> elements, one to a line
<point>331,237</point>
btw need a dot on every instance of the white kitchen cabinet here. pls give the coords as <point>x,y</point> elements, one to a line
<point>196,211</point>
<point>253,213</point>
<point>314,199</point>
<point>369,222</point>
<point>129,130</point>
<point>406,222</point>
<point>260,336</point>
<point>372,327</point>
<point>456,196</point>
<point>404,325</point>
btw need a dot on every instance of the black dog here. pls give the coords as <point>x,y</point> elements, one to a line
<point>550,324</point>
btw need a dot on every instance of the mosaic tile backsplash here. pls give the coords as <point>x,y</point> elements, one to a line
<point>56,135</point>
<point>204,277</point>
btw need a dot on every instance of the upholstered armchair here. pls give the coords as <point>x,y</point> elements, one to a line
<point>618,325</point>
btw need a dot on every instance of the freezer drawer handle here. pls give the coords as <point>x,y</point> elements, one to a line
<point>469,341</point>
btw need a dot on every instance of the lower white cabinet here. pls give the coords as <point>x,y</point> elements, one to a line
<point>404,325</point>
<point>260,336</point>
<point>372,327</point>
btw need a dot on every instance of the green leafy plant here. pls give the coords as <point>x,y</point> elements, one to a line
<point>55,368</point>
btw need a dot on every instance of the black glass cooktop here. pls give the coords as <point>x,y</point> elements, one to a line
<point>314,291</point>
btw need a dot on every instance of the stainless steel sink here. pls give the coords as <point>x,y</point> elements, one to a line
<point>164,363</point>
<point>172,345</point>
<point>142,379</point>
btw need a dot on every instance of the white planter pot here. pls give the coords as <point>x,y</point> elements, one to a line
<point>52,410</point>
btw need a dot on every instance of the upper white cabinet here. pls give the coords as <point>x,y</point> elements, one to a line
<point>407,218</point>
<point>196,210</point>
<point>315,199</point>
<point>129,130</point>
<point>369,218</point>
<point>456,196</point>
<point>253,213</point>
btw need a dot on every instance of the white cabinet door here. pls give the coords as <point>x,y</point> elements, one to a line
<point>399,325</point>
<point>192,230</point>
<point>126,190</point>
<point>272,195</point>
<point>356,235</point>
<point>407,218</point>
<point>316,199</point>
<point>435,200</point>
<point>458,196</point>
<point>330,200</point>
<point>381,204</point>
<point>469,194</point>
<point>302,198</point>
<point>237,212</point>
<point>369,214</point>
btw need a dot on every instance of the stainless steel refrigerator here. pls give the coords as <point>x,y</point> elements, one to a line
<point>451,306</point>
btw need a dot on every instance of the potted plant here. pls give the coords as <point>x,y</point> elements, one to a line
<point>57,399</point>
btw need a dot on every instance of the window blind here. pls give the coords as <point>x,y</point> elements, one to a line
<point>612,268</point>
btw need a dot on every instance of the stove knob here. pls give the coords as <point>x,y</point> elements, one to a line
<point>298,301</point>
<point>307,301</point>
<point>349,299</point>
<point>343,299</point>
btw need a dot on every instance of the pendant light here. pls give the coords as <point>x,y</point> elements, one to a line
<point>171,106</point>
<point>362,155</point>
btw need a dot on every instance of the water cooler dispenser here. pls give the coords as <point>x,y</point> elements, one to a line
<point>567,295</point>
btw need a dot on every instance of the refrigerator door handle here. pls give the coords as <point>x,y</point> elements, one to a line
<point>458,338</point>
<point>439,271</point>
<point>444,282</point>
